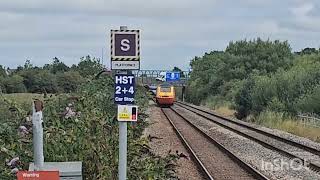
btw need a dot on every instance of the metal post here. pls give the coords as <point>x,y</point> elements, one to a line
<point>37,128</point>
<point>122,168</point>
<point>183,92</point>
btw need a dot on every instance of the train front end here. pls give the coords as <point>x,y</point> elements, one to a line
<point>165,95</point>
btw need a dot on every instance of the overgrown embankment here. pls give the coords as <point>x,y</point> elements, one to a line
<point>259,79</point>
<point>81,127</point>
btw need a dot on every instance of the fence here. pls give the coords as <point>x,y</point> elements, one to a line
<point>308,120</point>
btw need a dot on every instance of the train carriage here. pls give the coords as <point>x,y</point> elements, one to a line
<point>165,94</point>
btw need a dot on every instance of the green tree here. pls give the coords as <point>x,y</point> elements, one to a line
<point>58,66</point>
<point>89,66</point>
<point>69,81</point>
<point>14,84</point>
<point>45,82</point>
<point>27,64</point>
<point>290,91</point>
<point>2,71</point>
<point>176,69</point>
<point>307,51</point>
<point>221,73</point>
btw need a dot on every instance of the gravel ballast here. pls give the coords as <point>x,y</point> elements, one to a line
<point>164,141</point>
<point>269,162</point>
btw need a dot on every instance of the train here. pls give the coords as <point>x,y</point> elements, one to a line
<point>165,95</point>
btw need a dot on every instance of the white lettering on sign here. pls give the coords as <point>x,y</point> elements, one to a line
<point>125,65</point>
<point>128,99</point>
<point>118,90</point>
<point>124,79</point>
<point>118,99</point>
<point>124,90</point>
<point>31,175</point>
<point>125,45</point>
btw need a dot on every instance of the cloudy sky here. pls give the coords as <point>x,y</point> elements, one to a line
<point>172,31</point>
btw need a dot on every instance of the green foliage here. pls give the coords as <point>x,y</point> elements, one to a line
<point>28,65</point>
<point>11,143</point>
<point>89,66</point>
<point>257,76</point>
<point>262,56</point>
<point>308,51</point>
<point>309,102</point>
<point>56,66</point>
<point>14,84</point>
<point>292,91</point>
<point>69,81</point>
<point>52,78</point>
<point>39,81</point>
<point>2,72</point>
<point>176,69</point>
<point>243,99</point>
<point>90,135</point>
<point>220,73</point>
<point>2,85</point>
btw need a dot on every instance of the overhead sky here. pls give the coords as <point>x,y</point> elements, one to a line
<point>172,31</point>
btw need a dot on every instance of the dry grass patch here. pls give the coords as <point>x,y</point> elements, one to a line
<point>294,126</point>
<point>225,111</point>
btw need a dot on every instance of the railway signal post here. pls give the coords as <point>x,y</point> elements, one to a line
<point>125,56</point>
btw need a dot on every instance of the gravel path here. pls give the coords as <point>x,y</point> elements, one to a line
<point>219,164</point>
<point>166,140</point>
<point>267,161</point>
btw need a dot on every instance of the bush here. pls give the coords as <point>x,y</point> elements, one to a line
<point>309,103</point>
<point>69,81</point>
<point>243,99</point>
<point>14,84</point>
<point>222,73</point>
<point>290,91</point>
<point>2,85</point>
<point>88,134</point>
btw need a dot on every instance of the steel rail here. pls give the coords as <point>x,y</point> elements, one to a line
<point>288,141</point>
<point>311,165</point>
<point>245,166</point>
<point>201,166</point>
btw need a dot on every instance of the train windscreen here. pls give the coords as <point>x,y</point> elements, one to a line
<point>165,89</point>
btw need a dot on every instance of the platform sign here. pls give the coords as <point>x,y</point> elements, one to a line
<point>127,113</point>
<point>172,76</point>
<point>124,89</point>
<point>38,175</point>
<point>125,49</point>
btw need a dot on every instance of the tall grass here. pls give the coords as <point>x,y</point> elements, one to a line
<point>289,124</point>
<point>219,105</point>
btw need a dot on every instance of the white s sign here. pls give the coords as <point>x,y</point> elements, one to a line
<point>125,45</point>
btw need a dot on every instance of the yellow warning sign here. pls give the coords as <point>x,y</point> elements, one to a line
<point>127,113</point>
<point>124,114</point>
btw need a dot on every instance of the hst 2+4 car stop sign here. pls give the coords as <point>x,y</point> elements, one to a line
<point>125,49</point>
<point>124,89</point>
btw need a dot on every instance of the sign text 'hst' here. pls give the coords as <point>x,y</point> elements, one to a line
<point>124,89</point>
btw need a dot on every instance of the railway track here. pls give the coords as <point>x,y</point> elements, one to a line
<point>213,159</point>
<point>308,155</point>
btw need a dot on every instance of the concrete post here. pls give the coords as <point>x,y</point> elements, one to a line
<point>122,168</point>
<point>37,128</point>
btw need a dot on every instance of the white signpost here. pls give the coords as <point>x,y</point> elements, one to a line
<point>125,55</point>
